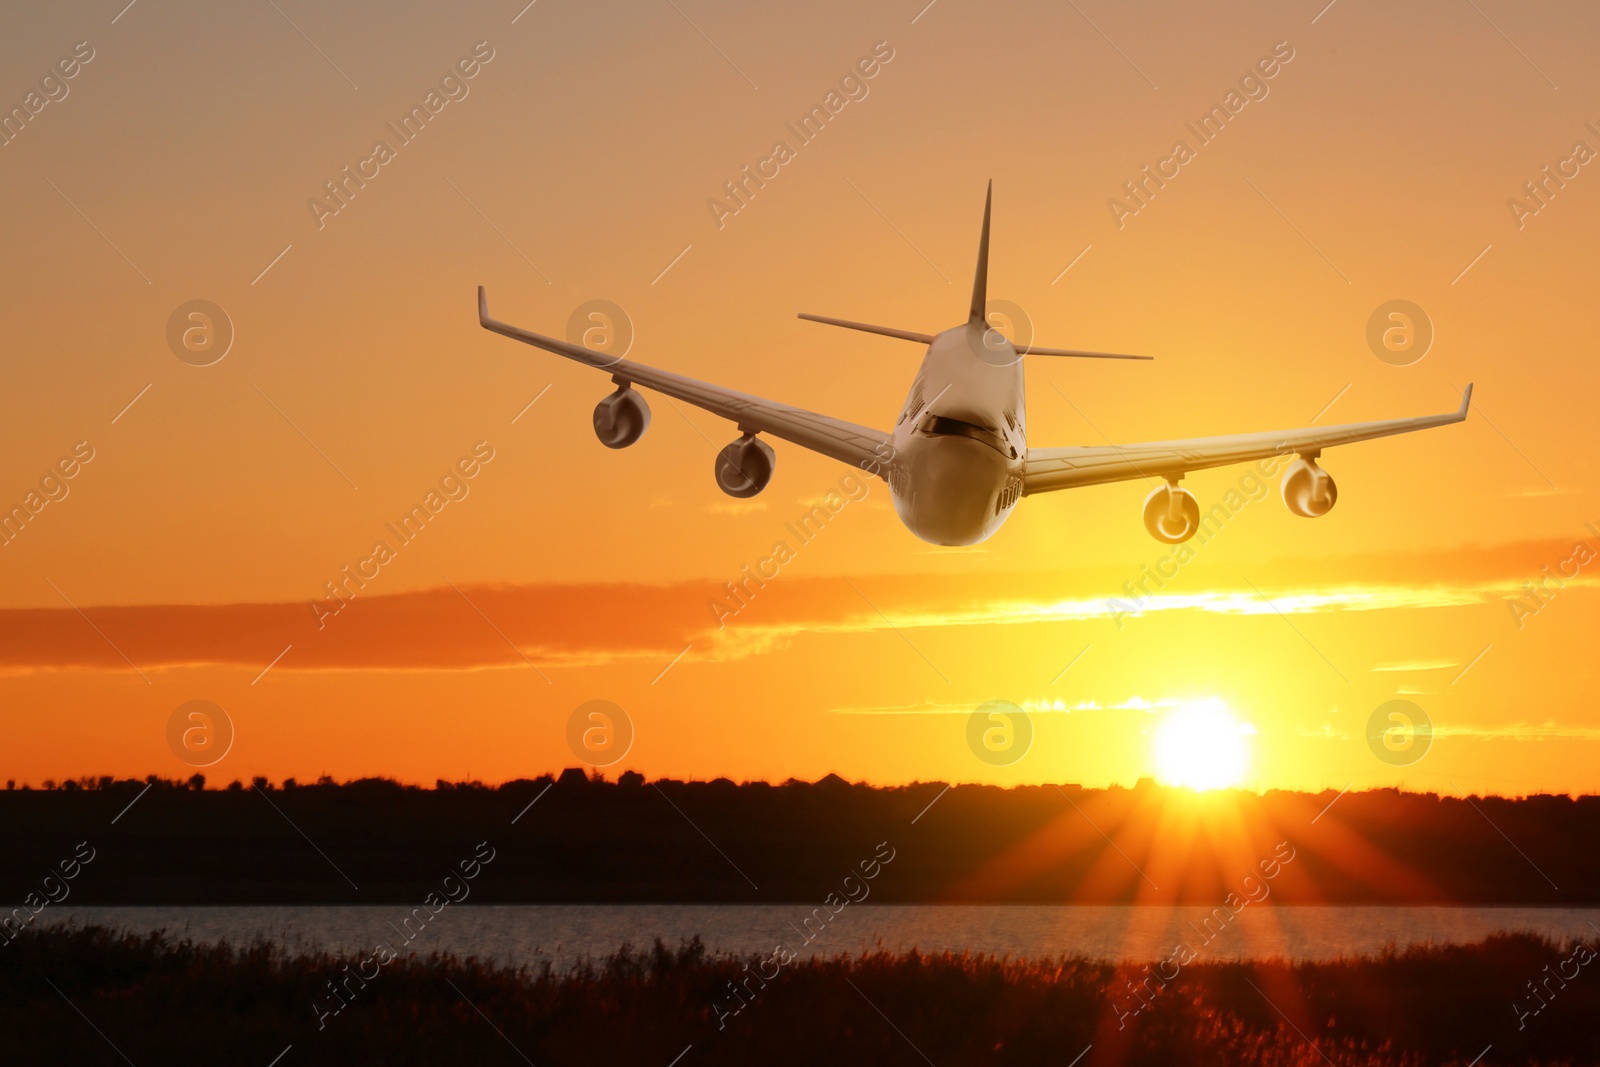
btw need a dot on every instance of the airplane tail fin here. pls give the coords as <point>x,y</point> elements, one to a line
<point>979,310</point>
<point>980,280</point>
<point>980,297</point>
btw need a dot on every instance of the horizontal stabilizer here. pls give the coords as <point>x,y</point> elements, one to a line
<point>1076,354</point>
<point>864,327</point>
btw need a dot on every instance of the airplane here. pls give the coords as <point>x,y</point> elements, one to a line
<point>957,460</point>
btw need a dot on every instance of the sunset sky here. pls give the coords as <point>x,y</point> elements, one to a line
<point>576,163</point>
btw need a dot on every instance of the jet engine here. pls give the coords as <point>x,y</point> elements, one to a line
<point>621,418</point>
<point>1308,490</point>
<point>1171,514</point>
<point>745,467</point>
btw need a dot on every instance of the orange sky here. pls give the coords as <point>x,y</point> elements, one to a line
<point>576,164</point>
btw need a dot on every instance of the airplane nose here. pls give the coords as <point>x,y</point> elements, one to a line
<point>952,486</point>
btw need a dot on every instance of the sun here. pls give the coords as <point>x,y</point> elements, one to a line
<point>1202,746</point>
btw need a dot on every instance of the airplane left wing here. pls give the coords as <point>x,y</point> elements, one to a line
<point>1048,469</point>
<point>859,446</point>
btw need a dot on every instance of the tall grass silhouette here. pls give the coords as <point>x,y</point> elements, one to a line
<point>69,994</point>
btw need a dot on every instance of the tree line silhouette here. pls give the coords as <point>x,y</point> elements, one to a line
<point>579,838</point>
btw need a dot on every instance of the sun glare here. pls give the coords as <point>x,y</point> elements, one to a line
<point>1202,746</point>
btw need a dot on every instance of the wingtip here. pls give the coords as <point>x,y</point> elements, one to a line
<point>483,306</point>
<point>1466,400</point>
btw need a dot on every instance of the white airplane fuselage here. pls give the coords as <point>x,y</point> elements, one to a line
<point>961,439</point>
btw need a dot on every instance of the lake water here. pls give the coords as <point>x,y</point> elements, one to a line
<point>531,933</point>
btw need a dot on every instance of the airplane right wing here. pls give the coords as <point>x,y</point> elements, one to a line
<point>1048,469</point>
<point>863,448</point>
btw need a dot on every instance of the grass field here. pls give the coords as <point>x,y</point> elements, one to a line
<point>91,995</point>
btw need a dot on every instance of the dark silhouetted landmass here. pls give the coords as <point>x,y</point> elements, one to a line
<point>575,840</point>
<point>91,996</point>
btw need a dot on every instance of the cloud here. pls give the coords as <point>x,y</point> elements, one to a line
<point>572,624</point>
<point>1521,731</point>
<point>1032,706</point>
<point>479,626</point>
<point>736,507</point>
<point>1517,731</point>
<point>1418,665</point>
<point>1542,490</point>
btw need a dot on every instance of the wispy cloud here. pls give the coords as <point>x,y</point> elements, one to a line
<point>595,623</point>
<point>1036,706</point>
<point>1521,731</point>
<point>1517,731</point>
<point>1417,665</point>
<point>1042,706</point>
<point>736,507</point>
<point>1542,490</point>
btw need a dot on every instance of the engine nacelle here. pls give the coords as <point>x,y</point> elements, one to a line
<point>1172,515</point>
<point>745,467</point>
<point>621,418</point>
<point>1308,490</point>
